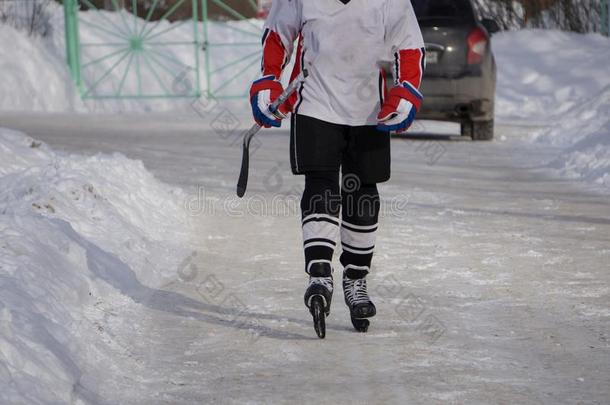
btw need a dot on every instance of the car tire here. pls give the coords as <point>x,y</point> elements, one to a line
<point>478,130</point>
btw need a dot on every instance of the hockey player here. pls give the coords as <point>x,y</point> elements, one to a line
<point>342,117</point>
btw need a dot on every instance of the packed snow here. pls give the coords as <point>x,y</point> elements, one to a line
<point>34,75</point>
<point>559,82</point>
<point>490,279</point>
<point>69,225</point>
<point>545,75</point>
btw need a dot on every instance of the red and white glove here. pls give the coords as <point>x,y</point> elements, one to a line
<point>263,93</point>
<point>399,108</point>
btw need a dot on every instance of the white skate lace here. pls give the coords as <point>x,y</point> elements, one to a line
<point>356,291</point>
<point>327,282</point>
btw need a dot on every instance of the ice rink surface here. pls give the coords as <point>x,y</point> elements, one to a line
<point>491,276</point>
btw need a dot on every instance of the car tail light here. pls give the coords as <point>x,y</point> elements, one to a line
<point>477,44</point>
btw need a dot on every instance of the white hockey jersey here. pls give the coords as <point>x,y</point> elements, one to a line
<point>344,46</point>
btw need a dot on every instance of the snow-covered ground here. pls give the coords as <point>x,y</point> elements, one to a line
<point>67,224</point>
<point>560,82</point>
<point>490,276</point>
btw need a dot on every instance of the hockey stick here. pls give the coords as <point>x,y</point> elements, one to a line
<point>242,182</point>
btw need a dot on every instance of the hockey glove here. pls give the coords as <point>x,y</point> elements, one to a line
<point>399,109</point>
<point>263,93</point>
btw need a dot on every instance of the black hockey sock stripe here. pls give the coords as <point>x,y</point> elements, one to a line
<point>356,261</point>
<point>320,218</point>
<point>351,227</point>
<point>357,249</point>
<point>318,253</point>
<point>319,242</point>
<point>322,230</point>
<point>358,239</point>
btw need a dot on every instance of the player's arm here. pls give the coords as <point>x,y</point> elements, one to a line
<point>280,32</point>
<point>403,37</point>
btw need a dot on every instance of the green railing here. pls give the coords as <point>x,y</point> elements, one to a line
<point>232,57</point>
<point>132,52</point>
<point>126,56</point>
<point>72,40</point>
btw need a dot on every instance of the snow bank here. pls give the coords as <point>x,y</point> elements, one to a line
<point>34,78</point>
<point>588,157</point>
<point>584,133</point>
<point>80,237</point>
<point>545,74</point>
<point>560,82</point>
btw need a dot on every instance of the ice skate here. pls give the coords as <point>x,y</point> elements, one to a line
<point>357,299</point>
<point>318,295</point>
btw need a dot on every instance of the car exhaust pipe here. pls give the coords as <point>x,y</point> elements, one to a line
<point>463,109</point>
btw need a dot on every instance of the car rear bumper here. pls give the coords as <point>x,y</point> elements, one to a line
<point>470,97</point>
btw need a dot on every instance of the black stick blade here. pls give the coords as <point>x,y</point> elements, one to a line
<point>242,182</point>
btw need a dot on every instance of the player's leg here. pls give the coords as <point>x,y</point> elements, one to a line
<point>366,162</point>
<point>315,151</point>
<point>320,207</point>
<point>360,216</point>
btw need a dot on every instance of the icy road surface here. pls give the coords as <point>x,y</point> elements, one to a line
<point>491,278</point>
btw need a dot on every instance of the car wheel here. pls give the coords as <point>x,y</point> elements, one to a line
<point>478,130</point>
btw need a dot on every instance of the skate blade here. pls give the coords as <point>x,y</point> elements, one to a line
<point>319,317</point>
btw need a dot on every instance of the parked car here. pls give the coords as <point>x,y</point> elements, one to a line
<point>460,80</point>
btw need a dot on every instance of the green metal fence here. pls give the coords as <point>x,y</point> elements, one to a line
<point>72,41</point>
<point>133,42</point>
<point>233,55</point>
<point>124,54</point>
